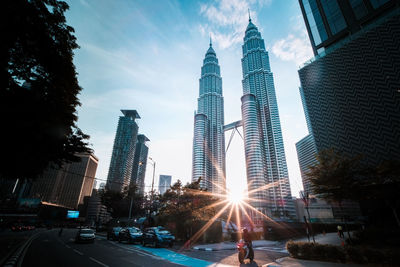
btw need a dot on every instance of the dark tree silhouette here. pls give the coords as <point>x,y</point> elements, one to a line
<point>38,88</point>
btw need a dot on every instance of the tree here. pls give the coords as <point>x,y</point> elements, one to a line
<point>335,177</point>
<point>186,207</point>
<point>38,88</point>
<point>123,204</point>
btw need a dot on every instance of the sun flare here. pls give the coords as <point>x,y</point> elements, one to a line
<point>235,197</point>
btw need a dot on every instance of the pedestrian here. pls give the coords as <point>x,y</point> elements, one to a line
<point>340,231</point>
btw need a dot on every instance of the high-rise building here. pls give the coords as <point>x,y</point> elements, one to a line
<point>164,184</point>
<point>306,154</point>
<point>209,139</point>
<point>350,88</point>
<point>140,163</point>
<point>263,142</point>
<point>69,185</point>
<point>120,171</point>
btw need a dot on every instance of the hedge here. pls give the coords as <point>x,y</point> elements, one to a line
<point>345,254</point>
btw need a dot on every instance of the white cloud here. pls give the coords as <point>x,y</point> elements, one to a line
<point>296,46</point>
<point>227,20</point>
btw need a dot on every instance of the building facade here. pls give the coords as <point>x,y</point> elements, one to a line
<point>209,138</point>
<point>306,154</point>
<point>267,174</point>
<point>164,183</point>
<point>120,171</point>
<point>69,185</point>
<point>351,87</point>
<point>140,163</point>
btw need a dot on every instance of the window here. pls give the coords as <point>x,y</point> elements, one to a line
<point>334,16</point>
<point>378,3</point>
<point>359,8</point>
<point>315,21</point>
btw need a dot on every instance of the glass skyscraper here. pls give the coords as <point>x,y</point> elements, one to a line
<point>140,163</point>
<point>209,138</point>
<point>263,142</point>
<point>119,174</point>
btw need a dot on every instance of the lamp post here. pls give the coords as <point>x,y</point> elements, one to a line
<point>152,184</point>
<point>306,199</point>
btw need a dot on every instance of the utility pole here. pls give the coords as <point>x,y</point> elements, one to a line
<point>152,187</point>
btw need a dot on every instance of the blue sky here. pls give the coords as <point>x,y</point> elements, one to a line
<point>147,55</point>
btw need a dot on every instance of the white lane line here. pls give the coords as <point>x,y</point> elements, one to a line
<point>77,251</point>
<point>99,262</point>
<point>68,246</point>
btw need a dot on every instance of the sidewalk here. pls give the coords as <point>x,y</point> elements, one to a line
<point>232,245</point>
<point>329,238</point>
<point>292,262</point>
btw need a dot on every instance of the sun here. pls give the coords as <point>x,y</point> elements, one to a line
<point>235,197</point>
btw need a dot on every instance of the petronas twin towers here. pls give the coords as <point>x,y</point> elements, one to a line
<point>267,175</point>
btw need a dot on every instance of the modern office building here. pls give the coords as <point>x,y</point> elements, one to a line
<point>140,163</point>
<point>306,154</point>
<point>120,171</point>
<point>209,138</point>
<point>69,185</point>
<point>351,86</point>
<point>96,213</point>
<point>164,184</point>
<point>267,174</point>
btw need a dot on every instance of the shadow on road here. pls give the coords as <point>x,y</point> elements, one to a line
<point>248,264</point>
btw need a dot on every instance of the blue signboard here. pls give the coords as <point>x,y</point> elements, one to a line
<point>72,214</point>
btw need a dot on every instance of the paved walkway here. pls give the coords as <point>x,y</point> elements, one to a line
<point>292,262</point>
<point>329,238</point>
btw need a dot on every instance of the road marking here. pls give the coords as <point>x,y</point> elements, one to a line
<point>77,251</point>
<point>273,249</point>
<point>180,258</point>
<point>99,262</point>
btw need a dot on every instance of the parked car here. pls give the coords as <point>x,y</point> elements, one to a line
<point>85,235</point>
<point>157,236</point>
<point>112,233</point>
<point>130,234</point>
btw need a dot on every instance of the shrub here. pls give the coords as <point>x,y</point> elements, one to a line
<point>311,251</point>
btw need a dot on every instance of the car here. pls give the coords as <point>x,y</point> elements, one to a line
<point>112,233</point>
<point>157,236</point>
<point>85,235</point>
<point>130,234</point>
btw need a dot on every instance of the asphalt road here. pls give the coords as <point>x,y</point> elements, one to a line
<point>48,249</point>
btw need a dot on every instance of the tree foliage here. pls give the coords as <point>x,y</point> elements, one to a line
<point>119,203</point>
<point>186,206</point>
<point>336,177</point>
<point>38,88</point>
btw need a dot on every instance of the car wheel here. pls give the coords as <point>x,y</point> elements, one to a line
<point>171,244</point>
<point>154,244</point>
<point>143,243</point>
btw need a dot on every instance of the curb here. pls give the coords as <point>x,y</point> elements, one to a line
<point>206,249</point>
<point>19,254</point>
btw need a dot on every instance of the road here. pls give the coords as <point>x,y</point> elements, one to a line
<point>48,249</point>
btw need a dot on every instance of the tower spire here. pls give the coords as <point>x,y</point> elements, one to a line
<point>210,40</point>
<point>249,14</point>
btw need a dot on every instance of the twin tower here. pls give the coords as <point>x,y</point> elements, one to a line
<point>267,174</point>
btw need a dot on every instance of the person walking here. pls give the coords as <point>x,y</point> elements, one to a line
<point>340,231</point>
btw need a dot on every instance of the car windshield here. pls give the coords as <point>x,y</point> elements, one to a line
<point>162,231</point>
<point>86,231</point>
<point>134,230</point>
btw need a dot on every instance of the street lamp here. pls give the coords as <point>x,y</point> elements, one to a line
<point>152,182</point>
<point>306,199</point>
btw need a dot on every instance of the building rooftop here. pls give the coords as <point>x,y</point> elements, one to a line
<point>130,113</point>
